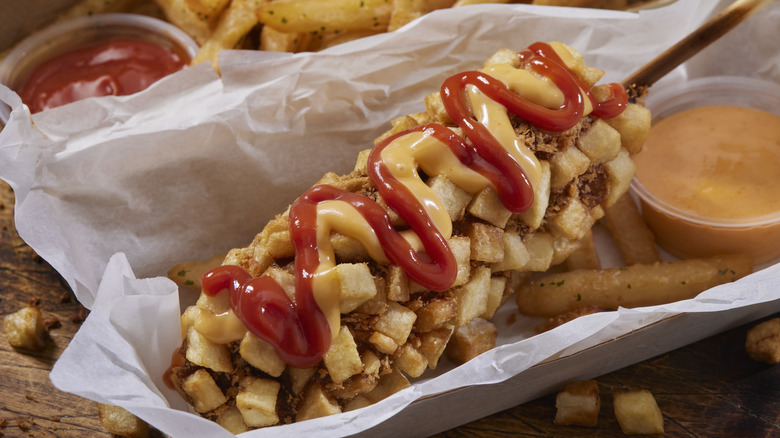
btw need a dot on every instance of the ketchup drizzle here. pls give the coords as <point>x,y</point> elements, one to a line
<point>298,329</point>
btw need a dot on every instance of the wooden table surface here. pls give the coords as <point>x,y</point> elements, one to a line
<point>707,389</point>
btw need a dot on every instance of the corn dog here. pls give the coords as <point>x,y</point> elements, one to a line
<point>361,283</point>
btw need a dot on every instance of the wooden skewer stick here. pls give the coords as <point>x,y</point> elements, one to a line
<point>692,44</point>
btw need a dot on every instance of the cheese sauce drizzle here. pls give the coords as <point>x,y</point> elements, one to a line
<point>301,328</point>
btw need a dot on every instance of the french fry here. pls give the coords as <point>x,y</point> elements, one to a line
<point>460,3</point>
<point>632,286</point>
<point>603,4</point>
<point>405,11</point>
<point>233,25</point>
<point>188,273</point>
<point>317,16</point>
<point>632,236</point>
<point>180,15</point>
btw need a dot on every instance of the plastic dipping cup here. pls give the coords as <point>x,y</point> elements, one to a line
<point>686,233</point>
<point>73,34</point>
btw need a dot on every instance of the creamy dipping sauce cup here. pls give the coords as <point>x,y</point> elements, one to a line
<point>105,54</point>
<point>696,214</point>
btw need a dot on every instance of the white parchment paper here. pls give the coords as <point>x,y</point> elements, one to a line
<point>114,191</point>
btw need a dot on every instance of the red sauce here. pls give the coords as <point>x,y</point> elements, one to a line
<point>116,67</point>
<point>177,360</point>
<point>543,58</point>
<point>299,330</point>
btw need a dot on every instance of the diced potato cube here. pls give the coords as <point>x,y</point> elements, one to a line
<point>383,343</point>
<point>454,198</point>
<point>516,255</point>
<point>436,313</point>
<point>118,421</point>
<point>472,296</point>
<point>471,340</point>
<point>541,250</point>
<point>372,365</point>
<point>533,216</point>
<point>487,242</point>
<point>563,248</point>
<point>205,353</point>
<point>435,106</point>
<point>378,303</point>
<point>259,262</point>
<point>633,124</point>
<point>279,245</point>
<point>285,279</point>
<point>342,359</point>
<point>188,319</point>
<point>495,295</point>
<point>315,404</point>
<point>216,304</point>
<point>487,206</point>
<point>299,377</point>
<point>395,219</point>
<point>572,221</point>
<point>388,385</point>
<point>762,342</point>
<point>357,403</point>
<point>256,400</point>
<point>578,404</point>
<point>396,322</point>
<point>504,56</point>
<point>356,285</point>
<point>433,343</point>
<point>461,250</point>
<point>261,355</point>
<point>361,164</point>
<point>348,248</point>
<point>575,61</point>
<point>204,392</point>
<point>637,412</point>
<point>410,361</point>
<point>600,142</point>
<point>397,284</point>
<point>567,165</point>
<point>24,329</point>
<point>621,171</point>
<point>232,420</point>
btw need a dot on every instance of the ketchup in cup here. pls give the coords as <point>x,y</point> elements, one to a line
<point>99,55</point>
<point>115,67</point>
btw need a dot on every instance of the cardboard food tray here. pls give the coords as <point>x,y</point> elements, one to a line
<point>113,191</point>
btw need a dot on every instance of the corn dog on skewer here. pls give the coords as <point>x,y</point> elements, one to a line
<point>369,278</point>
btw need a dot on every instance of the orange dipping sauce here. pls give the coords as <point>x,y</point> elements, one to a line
<point>119,66</point>
<point>712,178</point>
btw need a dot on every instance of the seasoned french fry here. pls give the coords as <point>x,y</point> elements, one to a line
<point>272,40</point>
<point>477,2</point>
<point>233,25</point>
<point>405,11</point>
<point>632,236</point>
<point>85,8</point>
<point>632,286</point>
<point>208,10</point>
<point>179,14</point>
<point>188,273</point>
<point>318,16</point>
